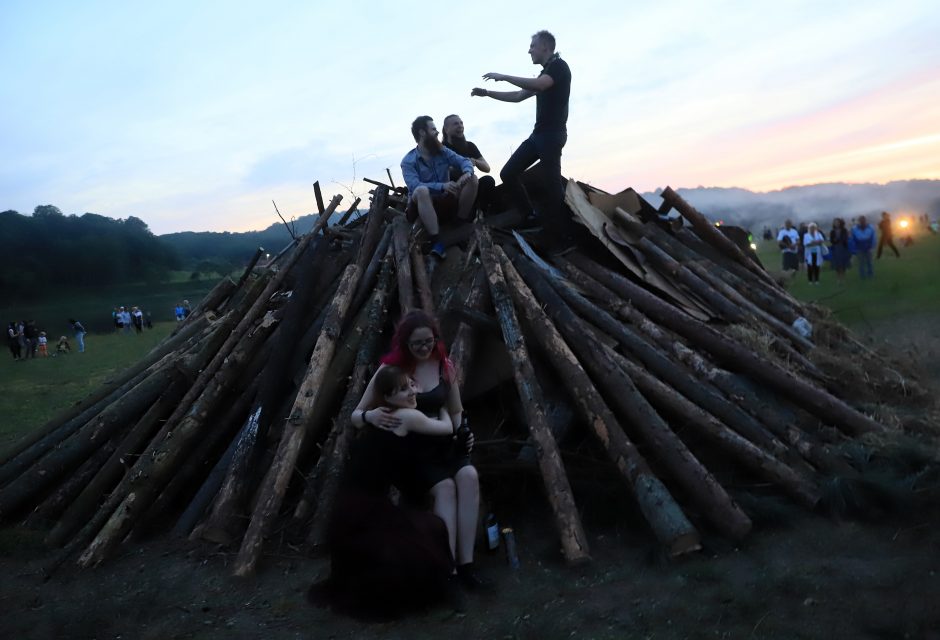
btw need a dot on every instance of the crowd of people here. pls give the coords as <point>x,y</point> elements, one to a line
<point>809,246</point>
<point>25,340</point>
<point>126,318</point>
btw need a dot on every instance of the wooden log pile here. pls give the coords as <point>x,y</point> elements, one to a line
<point>678,355</point>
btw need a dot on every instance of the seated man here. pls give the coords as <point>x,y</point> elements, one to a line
<point>434,197</point>
<point>455,140</point>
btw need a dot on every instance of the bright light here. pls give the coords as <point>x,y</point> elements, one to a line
<point>904,223</point>
<point>753,247</point>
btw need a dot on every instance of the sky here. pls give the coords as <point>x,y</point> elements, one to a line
<point>195,116</point>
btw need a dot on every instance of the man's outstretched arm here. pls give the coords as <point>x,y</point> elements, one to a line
<point>503,96</point>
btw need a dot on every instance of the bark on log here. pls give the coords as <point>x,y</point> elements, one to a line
<point>374,228</point>
<point>349,212</point>
<point>422,284</point>
<point>462,345</point>
<point>730,443</point>
<point>81,509</point>
<point>734,356</point>
<point>406,295</point>
<point>665,517</point>
<point>633,409</point>
<point>367,281</point>
<point>573,540</point>
<point>71,453</point>
<point>667,370</point>
<point>332,462</point>
<point>713,236</point>
<point>136,492</point>
<point>275,482</point>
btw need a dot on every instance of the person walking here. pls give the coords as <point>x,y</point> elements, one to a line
<point>886,236</point>
<point>79,334</point>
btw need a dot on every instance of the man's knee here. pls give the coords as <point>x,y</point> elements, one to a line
<point>422,194</point>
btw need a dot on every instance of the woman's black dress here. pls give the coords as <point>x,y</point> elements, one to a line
<point>386,560</point>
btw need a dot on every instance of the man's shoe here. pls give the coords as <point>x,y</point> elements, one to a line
<point>437,251</point>
<point>471,580</point>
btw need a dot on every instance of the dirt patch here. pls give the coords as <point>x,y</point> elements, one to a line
<point>798,575</point>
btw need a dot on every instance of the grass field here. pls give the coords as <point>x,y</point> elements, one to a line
<point>902,286</point>
<point>35,390</point>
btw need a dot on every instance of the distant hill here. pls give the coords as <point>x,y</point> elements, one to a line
<point>818,202</point>
<point>232,249</point>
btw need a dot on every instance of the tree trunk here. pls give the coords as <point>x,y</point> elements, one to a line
<point>734,356</point>
<point>406,294</point>
<point>573,540</point>
<point>276,480</point>
<point>633,409</point>
<point>420,272</point>
<point>664,516</point>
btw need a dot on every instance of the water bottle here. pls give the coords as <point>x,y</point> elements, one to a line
<point>511,556</point>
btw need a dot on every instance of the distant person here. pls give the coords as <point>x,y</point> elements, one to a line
<point>178,312</point>
<point>788,239</point>
<point>63,346</point>
<point>13,341</point>
<point>125,320</point>
<point>839,248</point>
<point>814,248</point>
<point>148,321</point>
<point>137,317</point>
<point>21,338</point>
<point>863,237</point>
<point>455,140</point>
<point>434,197</point>
<point>552,89</point>
<point>43,345</point>
<point>887,235</point>
<point>118,319</point>
<point>31,338</point>
<point>79,334</point>
<point>186,309</point>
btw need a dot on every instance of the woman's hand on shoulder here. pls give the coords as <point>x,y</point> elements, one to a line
<point>383,418</point>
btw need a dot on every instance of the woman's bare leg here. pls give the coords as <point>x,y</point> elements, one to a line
<point>445,507</point>
<point>468,511</point>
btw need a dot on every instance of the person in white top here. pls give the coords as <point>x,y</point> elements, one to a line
<point>814,248</point>
<point>788,239</point>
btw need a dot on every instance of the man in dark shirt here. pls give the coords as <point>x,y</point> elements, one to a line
<point>455,140</point>
<point>551,89</point>
<point>886,235</point>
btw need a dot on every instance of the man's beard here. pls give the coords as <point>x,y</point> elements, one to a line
<point>433,145</point>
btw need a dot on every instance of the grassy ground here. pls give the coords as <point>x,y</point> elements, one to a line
<point>901,286</point>
<point>36,389</point>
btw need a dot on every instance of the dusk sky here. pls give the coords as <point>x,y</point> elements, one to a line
<point>196,115</point>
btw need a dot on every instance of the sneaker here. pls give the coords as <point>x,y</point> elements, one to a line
<point>471,580</point>
<point>437,251</point>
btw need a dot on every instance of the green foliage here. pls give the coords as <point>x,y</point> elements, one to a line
<point>36,389</point>
<point>49,249</point>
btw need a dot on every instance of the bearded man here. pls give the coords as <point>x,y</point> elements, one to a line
<point>433,196</point>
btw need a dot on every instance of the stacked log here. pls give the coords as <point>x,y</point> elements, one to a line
<point>240,420</point>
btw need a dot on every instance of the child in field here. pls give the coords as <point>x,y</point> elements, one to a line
<point>63,346</point>
<point>43,345</point>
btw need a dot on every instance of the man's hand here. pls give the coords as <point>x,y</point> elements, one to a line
<point>496,77</point>
<point>451,187</point>
<point>477,91</point>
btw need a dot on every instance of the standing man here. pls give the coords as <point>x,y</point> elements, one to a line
<point>456,141</point>
<point>433,195</point>
<point>79,334</point>
<point>887,235</point>
<point>551,90</point>
<point>788,239</point>
<point>863,235</point>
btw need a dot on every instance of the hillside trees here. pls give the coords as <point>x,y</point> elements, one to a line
<point>50,249</point>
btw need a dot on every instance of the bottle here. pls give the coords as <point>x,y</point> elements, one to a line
<point>492,533</point>
<point>463,437</point>
<point>511,556</point>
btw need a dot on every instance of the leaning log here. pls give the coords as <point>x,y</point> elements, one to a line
<point>633,410</point>
<point>274,485</point>
<point>406,295</point>
<point>573,540</point>
<point>665,517</point>
<point>420,272</point>
<point>733,355</point>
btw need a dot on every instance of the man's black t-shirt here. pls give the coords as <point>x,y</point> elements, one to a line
<point>551,109</point>
<point>463,147</point>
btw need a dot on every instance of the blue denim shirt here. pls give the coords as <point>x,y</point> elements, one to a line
<point>417,171</point>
